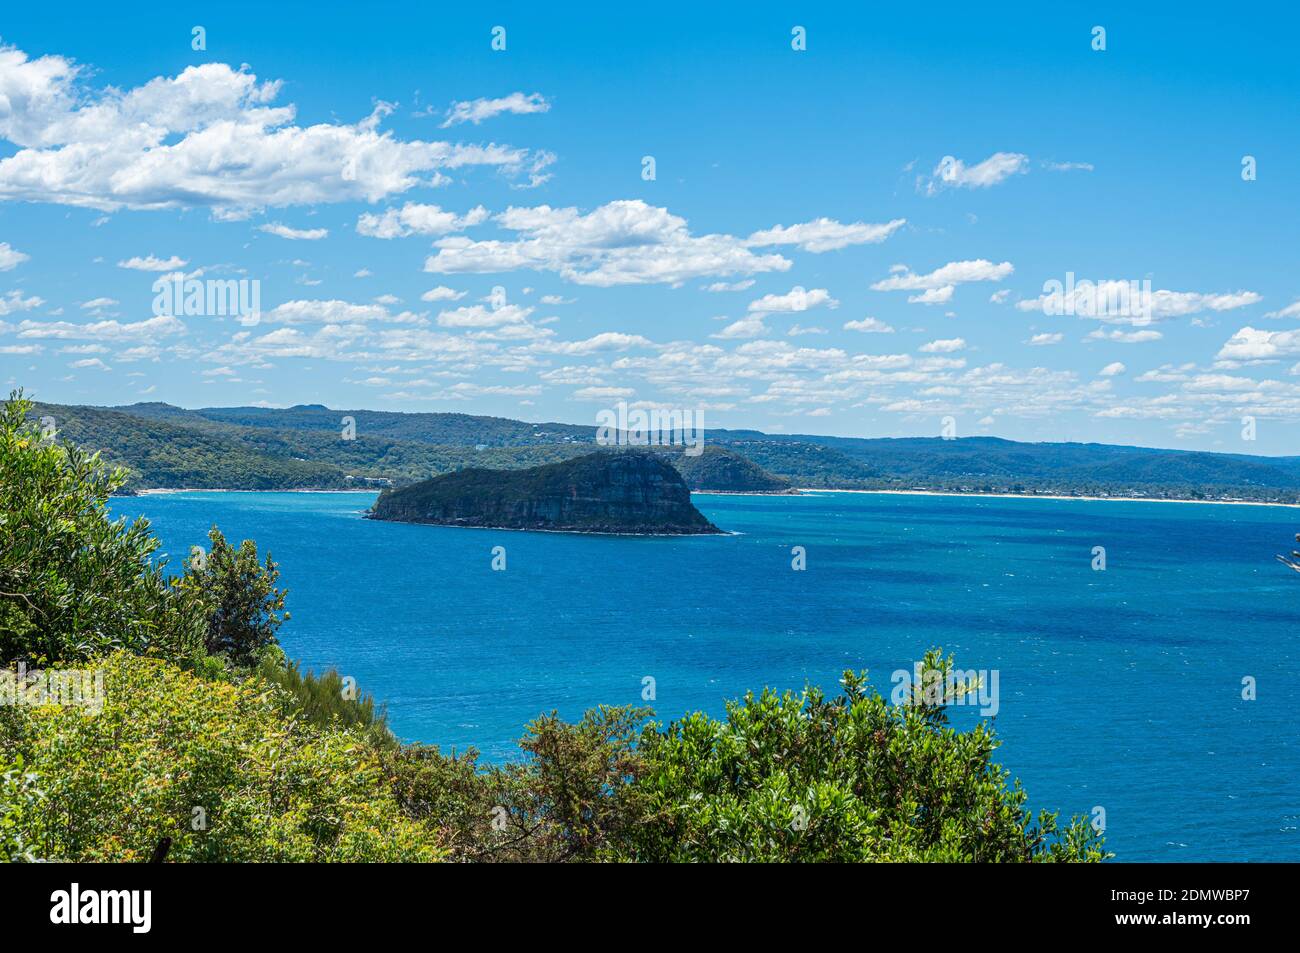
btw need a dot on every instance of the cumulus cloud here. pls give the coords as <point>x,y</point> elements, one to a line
<point>295,234</point>
<point>442,293</point>
<point>749,327</point>
<point>1290,311</point>
<point>13,301</point>
<point>1129,302</point>
<point>335,312</point>
<point>1113,369</point>
<point>943,346</point>
<point>149,329</point>
<point>479,110</point>
<point>150,263</point>
<point>1124,337</point>
<point>1250,344</point>
<point>796,299</point>
<point>825,234</point>
<point>415,219</point>
<point>868,326</point>
<point>937,286</point>
<point>620,243</point>
<point>208,137</point>
<point>954,173</point>
<point>11,258</point>
<point>1041,340</point>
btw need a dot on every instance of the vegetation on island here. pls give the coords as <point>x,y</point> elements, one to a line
<point>629,492</point>
<point>208,739</point>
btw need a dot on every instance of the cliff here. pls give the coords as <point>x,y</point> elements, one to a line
<point>604,492</point>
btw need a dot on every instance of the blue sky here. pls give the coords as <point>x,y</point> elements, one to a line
<point>875,288</point>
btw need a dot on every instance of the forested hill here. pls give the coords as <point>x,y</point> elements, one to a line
<point>313,446</point>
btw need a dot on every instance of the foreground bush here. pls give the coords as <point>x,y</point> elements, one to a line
<point>802,777</point>
<point>214,766</point>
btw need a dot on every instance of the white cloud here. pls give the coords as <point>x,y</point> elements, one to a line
<point>96,304</point>
<point>149,329</point>
<point>749,327</point>
<point>335,312</point>
<point>442,293</point>
<point>718,286</point>
<point>1124,337</point>
<point>943,346</point>
<point>1113,369</point>
<point>603,393</point>
<point>209,136</point>
<point>1041,340</point>
<point>296,234</point>
<point>797,299</point>
<point>620,243</point>
<point>11,258</point>
<point>825,234</point>
<point>868,326</point>
<point>12,301</point>
<point>415,219</point>
<point>479,110</point>
<point>937,286</point>
<point>481,316</point>
<point>954,173</point>
<point>1250,344</point>
<point>1290,311</point>
<point>150,263</point>
<point>1129,302</point>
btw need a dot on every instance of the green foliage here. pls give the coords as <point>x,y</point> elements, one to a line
<point>214,766</point>
<point>604,491</point>
<point>789,777</point>
<point>718,468</point>
<point>19,801</point>
<point>573,798</point>
<point>73,582</point>
<point>323,700</point>
<point>238,598</point>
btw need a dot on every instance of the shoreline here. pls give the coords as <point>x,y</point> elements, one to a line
<point>804,491</point>
<point>1050,496</point>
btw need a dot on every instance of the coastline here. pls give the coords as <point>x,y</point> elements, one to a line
<point>1049,496</point>
<point>803,491</point>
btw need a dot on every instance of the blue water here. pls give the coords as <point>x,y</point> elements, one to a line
<point>1119,689</point>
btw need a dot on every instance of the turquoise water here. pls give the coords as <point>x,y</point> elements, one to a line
<point>1119,689</point>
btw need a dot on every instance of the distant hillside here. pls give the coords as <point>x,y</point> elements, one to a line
<point>721,469</point>
<point>602,492</point>
<point>263,448</point>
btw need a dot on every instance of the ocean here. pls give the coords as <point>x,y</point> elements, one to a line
<point>1118,688</point>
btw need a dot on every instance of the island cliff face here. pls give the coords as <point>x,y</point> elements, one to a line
<point>628,493</point>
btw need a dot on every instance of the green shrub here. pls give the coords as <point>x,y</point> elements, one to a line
<point>74,582</point>
<point>212,765</point>
<point>799,777</point>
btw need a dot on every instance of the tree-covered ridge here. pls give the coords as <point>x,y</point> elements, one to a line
<point>208,742</point>
<point>721,468</point>
<point>305,447</point>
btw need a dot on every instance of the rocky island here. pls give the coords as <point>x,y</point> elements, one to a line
<point>628,493</point>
